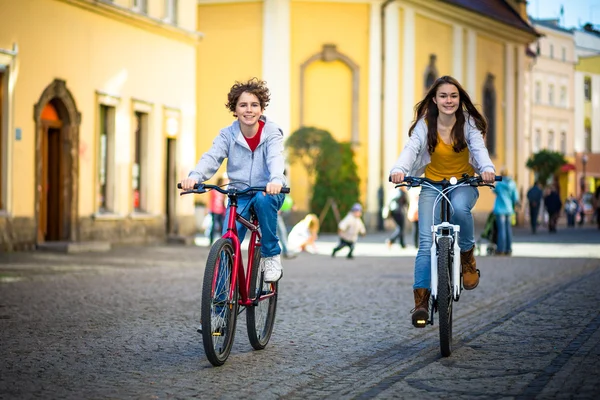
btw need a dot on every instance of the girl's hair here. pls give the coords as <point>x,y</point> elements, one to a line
<point>313,223</point>
<point>427,109</point>
<point>254,86</point>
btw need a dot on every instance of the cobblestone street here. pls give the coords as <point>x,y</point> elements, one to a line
<point>122,324</point>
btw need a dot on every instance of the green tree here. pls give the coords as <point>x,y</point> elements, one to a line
<point>305,146</point>
<point>545,164</point>
<point>336,178</point>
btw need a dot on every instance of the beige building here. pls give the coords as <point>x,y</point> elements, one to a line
<point>97,119</point>
<point>553,98</point>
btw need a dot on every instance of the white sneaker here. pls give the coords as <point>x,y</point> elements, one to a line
<point>272,268</point>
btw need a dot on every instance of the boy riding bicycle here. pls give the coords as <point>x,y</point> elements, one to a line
<point>253,146</point>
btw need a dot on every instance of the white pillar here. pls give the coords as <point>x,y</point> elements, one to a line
<point>458,49</point>
<point>276,60</point>
<point>391,104</point>
<point>408,74</point>
<point>509,108</point>
<point>375,76</point>
<point>471,78</point>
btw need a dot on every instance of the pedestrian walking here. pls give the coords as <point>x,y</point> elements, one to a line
<point>553,206</point>
<point>348,230</point>
<point>445,140</point>
<point>534,197</point>
<point>304,234</point>
<point>507,199</point>
<point>397,207</point>
<point>571,210</point>
<point>251,140</point>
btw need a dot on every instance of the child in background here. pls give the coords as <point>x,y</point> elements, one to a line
<point>348,230</point>
<point>304,234</point>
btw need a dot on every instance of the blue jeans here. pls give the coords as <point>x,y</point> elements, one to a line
<point>504,227</point>
<point>266,207</point>
<point>463,200</point>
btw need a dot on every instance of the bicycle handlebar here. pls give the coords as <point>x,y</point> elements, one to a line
<point>413,181</point>
<point>201,188</point>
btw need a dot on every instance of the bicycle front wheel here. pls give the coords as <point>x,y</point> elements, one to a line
<point>260,317</point>
<point>444,300</point>
<point>219,312</point>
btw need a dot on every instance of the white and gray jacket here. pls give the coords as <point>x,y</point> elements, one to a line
<point>415,156</point>
<point>266,164</point>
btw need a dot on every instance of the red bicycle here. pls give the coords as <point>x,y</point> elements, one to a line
<point>228,285</point>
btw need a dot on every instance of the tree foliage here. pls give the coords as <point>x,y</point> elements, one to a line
<point>545,164</point>
<point>305,146</point>
<point>337,178</point>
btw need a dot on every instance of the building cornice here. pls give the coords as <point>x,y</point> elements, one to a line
<point>123,14</point>
<point>470,19</point>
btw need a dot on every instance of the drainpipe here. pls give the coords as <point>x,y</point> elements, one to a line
<point>381,191</point>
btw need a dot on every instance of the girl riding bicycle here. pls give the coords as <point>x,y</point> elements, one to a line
<point>253,146</point>
<point>446,140</point>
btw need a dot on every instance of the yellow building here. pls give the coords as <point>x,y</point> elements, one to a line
<point>357,68</point>
<point>97,120</point>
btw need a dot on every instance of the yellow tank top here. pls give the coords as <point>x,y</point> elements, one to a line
<point>445,163</point>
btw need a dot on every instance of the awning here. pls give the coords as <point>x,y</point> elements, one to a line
<point>567,167</point>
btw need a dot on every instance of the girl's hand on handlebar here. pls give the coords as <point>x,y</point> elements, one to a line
<point>273,188</point>
<point>397,177</point>
<point>188,183</point>
<point>488,177</point>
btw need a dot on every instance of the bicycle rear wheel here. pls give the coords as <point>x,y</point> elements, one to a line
<point>261,316</point>
<point>219,312</point>
<point>444,300</point>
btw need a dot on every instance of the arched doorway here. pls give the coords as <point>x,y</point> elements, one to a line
<point>57,164</point>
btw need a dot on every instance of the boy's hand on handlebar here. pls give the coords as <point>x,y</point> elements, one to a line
<point>397,177</point>
<point>488,177</point>
<point>273,188</point>
<point>188,183</point>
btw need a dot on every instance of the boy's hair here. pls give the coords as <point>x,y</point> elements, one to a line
<point>255,86</point>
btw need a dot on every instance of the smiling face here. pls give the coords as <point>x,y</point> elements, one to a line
<point>447,99</point>
<point>248,109</point>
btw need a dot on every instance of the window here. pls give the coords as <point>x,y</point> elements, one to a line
<point>551,140</point>
<point>171,11</point>
<point>564,54</point>
<point>538,49</point>
<point>587,88</point>
<point>538,93</point>
<point>140,6</point>
<point>551,51</point>
<point>587,136</point>
<point>537,141</point>
<point>139,161</point>
<point>106,161</point>
<point>551,95</point>
<point>563,96</point>
<point>563,142</point>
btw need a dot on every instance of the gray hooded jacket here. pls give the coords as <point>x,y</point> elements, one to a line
<point>245,167</point>
<point>415,157</point>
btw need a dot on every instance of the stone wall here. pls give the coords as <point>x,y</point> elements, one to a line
<point>17,234</point>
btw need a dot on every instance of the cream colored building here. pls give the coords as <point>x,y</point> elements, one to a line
<point>357,68</point>
<point>97,120</point>
<point>553,98</point>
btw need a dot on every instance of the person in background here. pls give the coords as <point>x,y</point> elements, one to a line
<point>571,209</point>
<point>217,208</point>
<point>304,234</point>
<point>413,212</point>
<point>535,196</point>
<point>507,198</point>
<point>553,206</point>
<point>397,208</point>
<point>282,231</point>
<point>348,230</point>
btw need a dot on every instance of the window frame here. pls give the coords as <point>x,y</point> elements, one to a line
<point>142,115</point>
<point>171,10</point>
<point>111,103</point>
<point>587,88</point>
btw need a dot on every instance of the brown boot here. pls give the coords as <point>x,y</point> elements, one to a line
<point>469,269</point>
<point>420,314</point>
